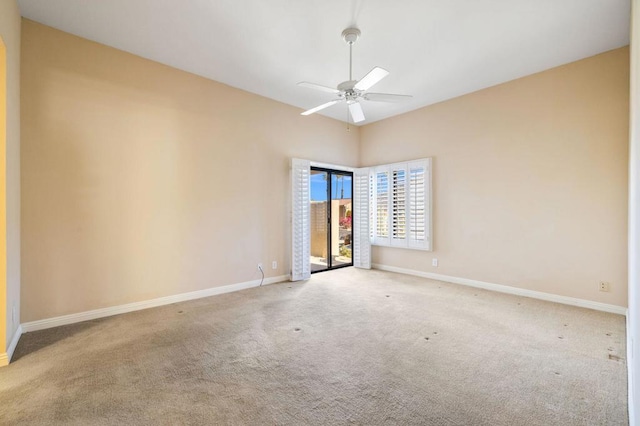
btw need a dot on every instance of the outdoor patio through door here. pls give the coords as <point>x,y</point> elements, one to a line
<point>331,213</point>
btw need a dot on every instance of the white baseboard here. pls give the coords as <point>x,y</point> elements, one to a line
<point>14,342</point>
<point>5,358</point>
<point>630,375</point>
<point>137,306</point>
<point>614,309</point>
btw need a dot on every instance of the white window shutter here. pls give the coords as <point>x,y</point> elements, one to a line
<point>300,220</point>
<point>399,206</point>
<point>382,206</point>
<point>372,206</point>
<point>419,212</point>
<point>360,217</point>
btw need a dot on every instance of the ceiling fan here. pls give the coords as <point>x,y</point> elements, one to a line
<point>353,91</point>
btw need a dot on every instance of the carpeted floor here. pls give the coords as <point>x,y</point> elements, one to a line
<point>347,347</point>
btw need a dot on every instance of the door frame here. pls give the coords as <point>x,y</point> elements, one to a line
<point>330,170</point>
<point>299,243</point>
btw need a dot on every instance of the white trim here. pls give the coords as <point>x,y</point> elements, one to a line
<point>633,324</point>
<point>14,342</point>
<point>331,166</point>
<point>565,300</point>
<point>137,306</point>
<point>630,383</point>
<point>5,357</point>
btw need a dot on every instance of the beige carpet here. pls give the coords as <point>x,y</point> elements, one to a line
<point>346,347</point>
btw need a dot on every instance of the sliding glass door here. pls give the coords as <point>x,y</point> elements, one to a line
<point>319,222</point>
<point>331,219</point>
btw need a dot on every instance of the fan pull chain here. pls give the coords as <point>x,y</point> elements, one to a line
<point>348,129</point>
<point>348,116</point>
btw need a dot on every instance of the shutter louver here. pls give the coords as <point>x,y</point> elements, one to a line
<point>420,205</point>
<point>300,220</point>
<point>360,217</point>
<point>417,204</point>
<point>399,206</point>
<point>372,208</point>
<point>382,206</point>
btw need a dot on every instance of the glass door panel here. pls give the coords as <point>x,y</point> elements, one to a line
<point>331,212</point>
<point>319,220</point>
<point>341,212</point>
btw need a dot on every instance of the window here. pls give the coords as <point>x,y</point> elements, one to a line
<point>382,205</point>
<point>399,210</point>
<point>400,197</point>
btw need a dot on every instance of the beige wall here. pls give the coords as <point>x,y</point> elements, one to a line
<point>530,180</point>
<point>10,33</point>
<point>141,181</point>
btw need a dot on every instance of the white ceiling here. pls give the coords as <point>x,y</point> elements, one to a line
<point>434,49</point>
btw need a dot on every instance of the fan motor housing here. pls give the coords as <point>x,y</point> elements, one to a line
<point>346,86</point>
<point>351,35</point>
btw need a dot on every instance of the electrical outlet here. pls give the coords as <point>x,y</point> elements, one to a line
<point>604,286</point>
<point>274,265</point>
<point>434,262</point>
<point>260,266</point>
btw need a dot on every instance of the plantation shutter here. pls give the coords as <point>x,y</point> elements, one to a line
<point>360,217</point>
<point>372,206</point>
<point>419,209</point>
<point>383,206</point>
<point>300,220</point>
<point>399,206</point>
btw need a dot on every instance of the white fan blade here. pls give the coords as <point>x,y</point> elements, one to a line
<point>318,87</point>
<point>356,112</point>
<point>374,76</point>
<point>318,108</point>
<point>386,97</point>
